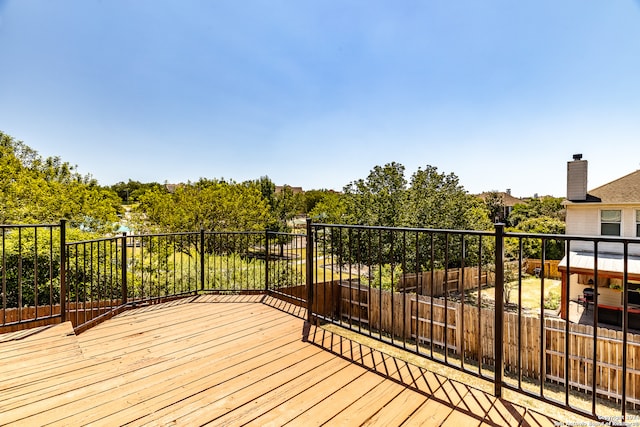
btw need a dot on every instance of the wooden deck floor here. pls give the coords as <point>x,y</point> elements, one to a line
<point>233,362</point>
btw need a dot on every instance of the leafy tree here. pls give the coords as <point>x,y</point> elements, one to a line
<point>431,200</point>
<point>313,197</point>
<point>37,190</point>
<point>130,191</point>
<point>437,200</point>
<point>543,216</point>
<point>379,199</point>
<point>208,204</point>
<point>331,209</point>
<point>284,203</point>
<point>284,206</point>
<point>535,208</point>
<point>532,248</point>
<point>32,261</point>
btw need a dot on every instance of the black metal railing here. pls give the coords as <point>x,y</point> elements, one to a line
<point>406,287</point>
<point>463,298</point>
<point>108,275</point>
<point>30,273</point>
<point>286,266</point>
<point>467,299</point>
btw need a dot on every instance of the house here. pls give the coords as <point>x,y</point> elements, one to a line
<point>171,188</point>
<point>295,190</point>
<point>612,210</point>
<point>507,202</point>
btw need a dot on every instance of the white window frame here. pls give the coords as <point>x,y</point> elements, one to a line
<point>611,220</point>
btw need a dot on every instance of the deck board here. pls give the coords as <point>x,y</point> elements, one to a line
<point>235,360</point>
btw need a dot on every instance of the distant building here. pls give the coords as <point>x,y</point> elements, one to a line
<point>171,188</point>
<point>294,190</point>
<point>508,202</point>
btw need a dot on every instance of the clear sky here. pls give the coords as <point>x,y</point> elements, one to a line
<point>315,93</point>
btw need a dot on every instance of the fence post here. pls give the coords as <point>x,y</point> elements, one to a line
<point>309,248</point>
<point>63,270</point>
<point>266,260</point>
<point>125,261</point>
<point>201,259</point>
<point>499,309</point>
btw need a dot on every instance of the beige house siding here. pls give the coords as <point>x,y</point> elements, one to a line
<point>584,220</point>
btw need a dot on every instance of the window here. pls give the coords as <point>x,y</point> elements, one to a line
<point>638,223</point>
<point>610,221</point>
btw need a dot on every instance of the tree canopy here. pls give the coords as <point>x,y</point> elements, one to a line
<point>545,207</point>
<point>44,190</point>
<point>543,216</point>
<point>430,199</point>
<point>208,204</point>
<point>130,191</point>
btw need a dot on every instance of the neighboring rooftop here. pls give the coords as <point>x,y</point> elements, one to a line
<point>623,190</point>
<point>295,190</point>
<point>507,198</point>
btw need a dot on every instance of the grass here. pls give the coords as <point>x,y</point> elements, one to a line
<point>530,293</point>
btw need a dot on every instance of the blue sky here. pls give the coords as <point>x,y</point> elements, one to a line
<point>316,93</point>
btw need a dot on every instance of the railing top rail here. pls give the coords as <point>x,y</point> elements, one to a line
<point>608,239</point>
<point>8,226</point>
<point>101,239</point>
<point>177,233</point>
<point>282,233</point>
<point>410,229</point>
<point>261,233</point>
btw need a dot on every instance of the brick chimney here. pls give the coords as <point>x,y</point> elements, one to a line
<point>577,179</point>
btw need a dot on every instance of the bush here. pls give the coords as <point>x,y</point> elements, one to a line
<point>552,300</point>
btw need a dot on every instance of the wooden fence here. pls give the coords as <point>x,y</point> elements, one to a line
<point>456,279</point>
<point>408,316</point>
<point>550,268</point>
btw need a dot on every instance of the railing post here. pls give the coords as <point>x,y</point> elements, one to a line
<point>63,270</point>
<point>266,261</point>
<point>124,268</point>
<point>309,248</point>
<point>499,309</point>
<point>202,259</point>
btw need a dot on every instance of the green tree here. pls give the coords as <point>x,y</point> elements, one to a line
<point>32,261</point>
<point>379,199</point>
<point>284,206</point>
<point>208,204</point>
<point>535,208</point>
<point>540,216</point>
<point>312,197</point>
<point>437,200</point>
<point>532,248</point>
<point>130,191</point>
<point>432,200</point>
<point>331,209</point>
<point>37,190</point>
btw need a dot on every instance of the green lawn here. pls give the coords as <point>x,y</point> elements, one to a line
<point>530,293</point>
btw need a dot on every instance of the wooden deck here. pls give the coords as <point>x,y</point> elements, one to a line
<point>233,362</point>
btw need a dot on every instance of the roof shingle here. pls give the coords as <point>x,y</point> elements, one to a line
<point>623,190</point>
